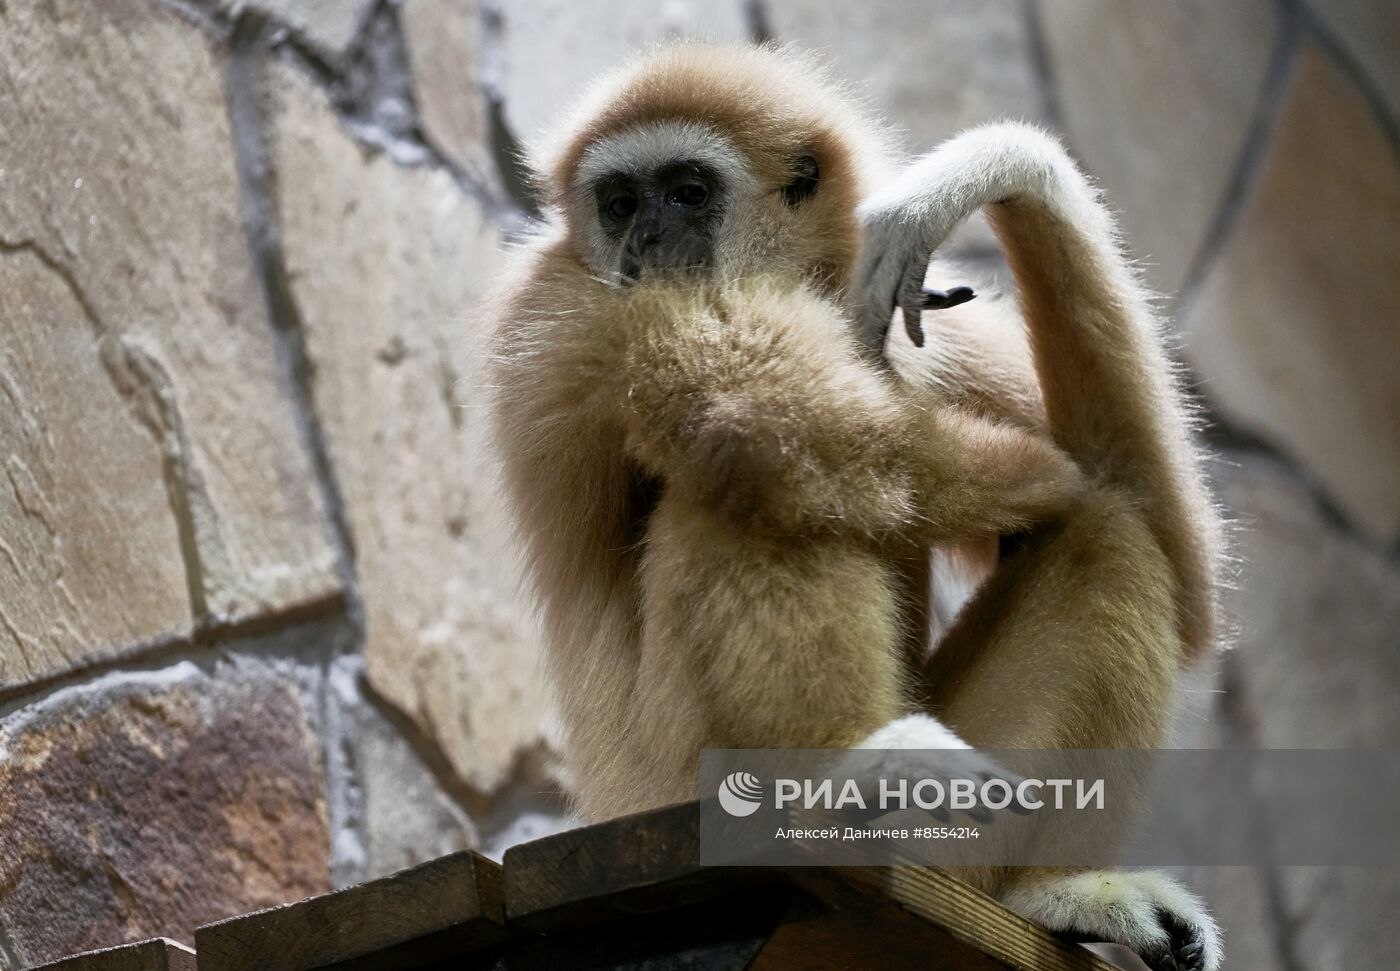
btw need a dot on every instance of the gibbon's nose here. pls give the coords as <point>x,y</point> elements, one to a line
<point>646,244</point>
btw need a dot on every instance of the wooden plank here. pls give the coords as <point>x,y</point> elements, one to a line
<point>883,935</point>
<point>632,865</point>
<point>720,934</point>
<point>649,862</point>
<point>429,913</point>
<point>964,913</point>
<point>157,954</point>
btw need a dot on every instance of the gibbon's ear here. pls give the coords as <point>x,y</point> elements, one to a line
<point>804,179</point>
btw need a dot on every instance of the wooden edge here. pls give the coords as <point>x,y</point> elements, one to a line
<point>450,905</point>
<point>623,867</point>
<point>963,912</point>
<point>155,954</point>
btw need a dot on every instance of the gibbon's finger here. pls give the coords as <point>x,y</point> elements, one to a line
<point>911,298</point>
<point>914,325</point>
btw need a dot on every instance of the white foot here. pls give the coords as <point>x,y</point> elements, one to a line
<point>1149,913</point>
<point>914,731</point>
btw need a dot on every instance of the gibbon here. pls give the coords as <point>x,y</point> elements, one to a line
<point>728,478</point>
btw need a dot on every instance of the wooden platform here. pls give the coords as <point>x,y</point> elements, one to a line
<point>624,894</point>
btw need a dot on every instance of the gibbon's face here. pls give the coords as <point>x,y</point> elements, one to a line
<point>675,197</point>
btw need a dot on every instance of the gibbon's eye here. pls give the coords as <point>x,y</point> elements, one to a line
<point>622,205</point>
<point>805,178</point>
<point>691,194</point>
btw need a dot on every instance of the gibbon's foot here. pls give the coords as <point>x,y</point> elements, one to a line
<point>1146,912</point>
<point>913,731</point>
<point>933,751</point>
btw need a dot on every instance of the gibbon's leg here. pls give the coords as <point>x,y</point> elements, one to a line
<point>754,403</point>
<point>756,642</point>
<point>1078,638</point>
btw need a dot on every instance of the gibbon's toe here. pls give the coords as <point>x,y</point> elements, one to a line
<point>1146,912</point>
<point>1185,950</point>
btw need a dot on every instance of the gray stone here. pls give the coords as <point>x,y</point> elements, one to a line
<point>552,48</point>
<point>121,214</point>
<point>445,49</point>
<point>149,803</point>
<point>398,815</point>
<point>1294,331</point>
<point>1156,100</point>
<point>388,265</point>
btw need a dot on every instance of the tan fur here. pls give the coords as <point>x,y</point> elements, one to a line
<point>721,498</point>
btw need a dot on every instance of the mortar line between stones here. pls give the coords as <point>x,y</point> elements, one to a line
<point>1258,139</point>
<point>1342,56</point>
<point>331,76</point>
<point>504,147</point>
<point>1042,65</point>
<point>257,186</point>
<point>1229,442</point>
<point>166,649</point>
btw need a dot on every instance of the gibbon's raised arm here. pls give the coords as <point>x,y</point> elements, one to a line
<point>1110,398</point>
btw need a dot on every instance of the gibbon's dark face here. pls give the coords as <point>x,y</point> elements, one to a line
<point>664,219</point>
<point>669,217</point>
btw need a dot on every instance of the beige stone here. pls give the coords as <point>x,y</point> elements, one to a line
<point>444,41</point>
<point>933,68</point>
<point>143,804</point>
<point>552,48</point>
<point>123,190</point>
<point>1295,331</point>
<point>388,265</point>
<point>89,553</point>
<point>1370,31</point>
<point>1156,100</point>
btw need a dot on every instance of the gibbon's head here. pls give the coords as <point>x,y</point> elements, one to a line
<point>717,160</point>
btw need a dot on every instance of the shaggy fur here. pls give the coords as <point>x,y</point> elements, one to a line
<point>728,506</point>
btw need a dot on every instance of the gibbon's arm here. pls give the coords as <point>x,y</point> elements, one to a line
<point>752,400</point>
<point>1110,399</point>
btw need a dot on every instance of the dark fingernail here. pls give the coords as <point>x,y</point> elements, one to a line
<point>943,299</point>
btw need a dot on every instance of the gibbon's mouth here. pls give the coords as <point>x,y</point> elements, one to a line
<point>683,266</point>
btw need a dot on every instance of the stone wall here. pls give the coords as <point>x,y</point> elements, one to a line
<point>260,631</point>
